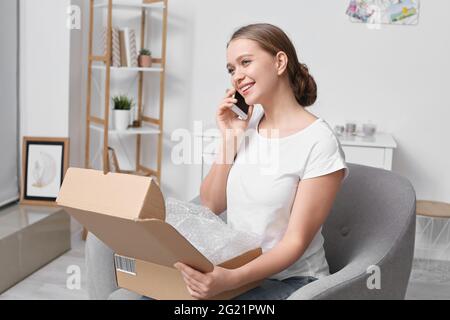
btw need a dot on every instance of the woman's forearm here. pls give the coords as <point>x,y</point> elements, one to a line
<point>280,257</point>
<point>213,188</point>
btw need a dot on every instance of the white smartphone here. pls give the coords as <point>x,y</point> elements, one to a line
<point>240,108</point>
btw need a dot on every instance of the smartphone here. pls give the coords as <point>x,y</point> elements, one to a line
<point>240,108</point>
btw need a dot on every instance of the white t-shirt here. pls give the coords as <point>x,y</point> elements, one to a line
<point>263,182</point>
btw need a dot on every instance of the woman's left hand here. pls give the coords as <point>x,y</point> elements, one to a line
<point>206,285</point>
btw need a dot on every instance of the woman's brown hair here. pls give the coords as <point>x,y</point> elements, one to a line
<point>273,39</point>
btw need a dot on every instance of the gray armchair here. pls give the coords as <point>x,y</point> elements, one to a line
<point>372,223</point>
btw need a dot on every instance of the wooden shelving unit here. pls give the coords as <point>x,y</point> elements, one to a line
<point>150,126</point>
<point>124,69</point>
<point>132,4</point>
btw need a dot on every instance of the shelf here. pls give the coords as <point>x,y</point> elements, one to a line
<point>131,5</point>
<point>152,69</point>
<point>145,129</point>
<point>150,126</point>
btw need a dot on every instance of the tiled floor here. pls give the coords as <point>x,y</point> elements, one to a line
<point>50,282</point>
<point>429,280</point>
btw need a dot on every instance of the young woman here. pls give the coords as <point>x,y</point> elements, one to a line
<point>288,204</point>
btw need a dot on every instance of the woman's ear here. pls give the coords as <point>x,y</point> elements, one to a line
<point>281,61</point>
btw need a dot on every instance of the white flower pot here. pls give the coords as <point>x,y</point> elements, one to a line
<point>121,119</point>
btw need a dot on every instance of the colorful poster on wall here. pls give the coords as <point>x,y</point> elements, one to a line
<point>405,12</point>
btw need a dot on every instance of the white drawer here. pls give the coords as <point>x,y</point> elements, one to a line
<point>374,157</point>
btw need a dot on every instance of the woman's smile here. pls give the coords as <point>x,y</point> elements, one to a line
<point>246,88</point>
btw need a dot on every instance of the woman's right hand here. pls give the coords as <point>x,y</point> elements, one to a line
<point>228,122</point>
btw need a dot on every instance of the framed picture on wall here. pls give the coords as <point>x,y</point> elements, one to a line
<point>403,12</point>
<point>44,163</point>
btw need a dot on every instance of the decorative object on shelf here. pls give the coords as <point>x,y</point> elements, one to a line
<point>123,51</point>
<point>122,110</point>
<point>104,37</point>
<point>350,128</point>
<point>145,58</point>
<point>405,12</point>
<point>44,163</point>
<point>369,129</point>
<point>339,130</point>
<point>130,47</point>
<point>136,124</point>
<point>115,48</point>
<point>123,47</point>
<point>113,162</point>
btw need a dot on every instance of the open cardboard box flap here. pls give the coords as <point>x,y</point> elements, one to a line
<point>127,213</point>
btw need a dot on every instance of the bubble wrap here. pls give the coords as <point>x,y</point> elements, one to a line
<point>208,233</point>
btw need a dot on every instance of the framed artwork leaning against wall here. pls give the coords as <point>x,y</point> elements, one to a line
<point>44,163</point>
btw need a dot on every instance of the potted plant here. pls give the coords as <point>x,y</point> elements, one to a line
<point>145,58</point>
<point>122,107</point>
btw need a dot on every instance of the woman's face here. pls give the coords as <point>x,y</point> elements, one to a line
<point>253,70</point>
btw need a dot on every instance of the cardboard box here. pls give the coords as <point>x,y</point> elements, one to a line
<point>127,213</point>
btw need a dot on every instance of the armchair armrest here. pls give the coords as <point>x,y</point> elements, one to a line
<point>348,283</point>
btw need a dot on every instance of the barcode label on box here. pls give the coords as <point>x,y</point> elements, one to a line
<point>125,264</point>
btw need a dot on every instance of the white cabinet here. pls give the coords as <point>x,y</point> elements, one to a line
<point>376,151</point>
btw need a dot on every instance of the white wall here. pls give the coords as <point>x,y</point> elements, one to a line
<point>398,76</point>
<point>44,61</point>
<point>48,75</point>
